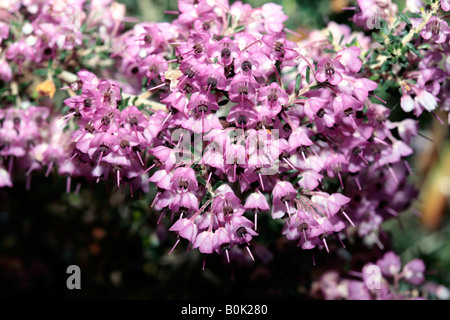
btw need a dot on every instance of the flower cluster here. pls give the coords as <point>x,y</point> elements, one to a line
<point>249,112</point>
<point>30,140</point>
<point>386,279</point>
<point>40,39</point>
<point>228,115</point>
<point>34,32</point>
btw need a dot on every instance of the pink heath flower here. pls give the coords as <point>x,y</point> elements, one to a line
<point>4,31</point>
<point>5,178</point>
<point>185,228</point>
<point>330,70</point>
<point>390,265</point>
<point>445,5</point>
<point>436,29</point>
<point>5,71</point>
<point>349,58</point>
<point>274,98</point>
<point>413,272</point>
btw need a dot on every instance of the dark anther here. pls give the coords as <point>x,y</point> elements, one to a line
<point>148,39</point>
<point>329,69</point>
<point>135,70</point>
<point>285,198</point>
<point>161,135</point>
<point>87,103</point>
<point>124,143</point>
<point>323,236</point>
<point>227,210</point>
<point>183,184</point>
<point>137,148</point>
<point>242,119</point>
<point>212,82</point>
<point>246,66</point>
<point>321,112</point>
<point>103,148</point>
<point>202,108</point>
<point>243,90</point>
<point>16,121</point>
<point>272,97</point>
<point>189,72</point>
<point>106,121</point>
<point>89,127</point>
<point>225,247</point>
<point>278,46</point>
<point>241,231</point>
<point>285,155</point>
<point>134,121</point>
<point>107,96</point>
<point>188,88</point>
<point>356,151</point>
<point>349,111</point>
<point>436,27</point>
<point>117,167</point>
<point>303,226</point>
<point>198,48</point>
<point>172,110</point>
<point>225,53</point>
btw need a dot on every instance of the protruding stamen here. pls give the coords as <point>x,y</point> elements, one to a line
<point>49,169</point>
<point>408,167</point>
<point>160,216</point>
<point>348,218</point>
<point>261,181</point>
<point>358,184</point>
<point>176,243</point>
<point>340,180</point>
<point>326,245</point>
<point>377,241</point>
<point>154,200</point>
<point>140,158</point>
<point>68,183</point>
<point>250,253</point>
<point>394,176</point>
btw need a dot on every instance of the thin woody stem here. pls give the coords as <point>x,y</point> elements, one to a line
<point>409,36</point>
